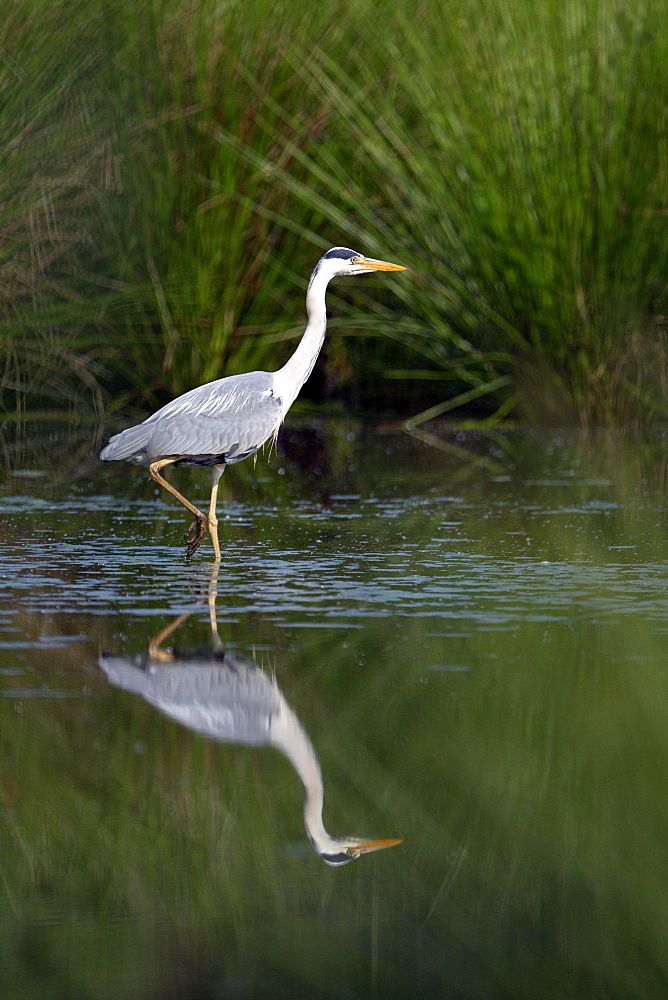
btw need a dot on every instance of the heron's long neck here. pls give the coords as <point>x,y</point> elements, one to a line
<point>293,741</point>
<point>289,379</point>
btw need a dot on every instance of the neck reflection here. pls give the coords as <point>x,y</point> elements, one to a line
<point>227,697</point>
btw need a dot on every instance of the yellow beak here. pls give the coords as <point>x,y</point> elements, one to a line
<point>365,846</point>
<point>378,265</point>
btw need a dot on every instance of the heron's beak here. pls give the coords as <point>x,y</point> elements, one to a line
<point>365,846</point>
<point>378,265</point>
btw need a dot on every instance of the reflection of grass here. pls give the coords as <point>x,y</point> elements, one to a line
<point>170,174</point>
<point>528,787</point>
<point>532,830</point>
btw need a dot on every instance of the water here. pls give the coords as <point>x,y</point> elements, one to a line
<point>473,654</point>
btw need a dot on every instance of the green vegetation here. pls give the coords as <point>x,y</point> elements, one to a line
<point>171,171</point>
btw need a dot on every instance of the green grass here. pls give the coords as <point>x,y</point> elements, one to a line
<point>172,171</point>
<point>50,151</point>
<point>518,156</point>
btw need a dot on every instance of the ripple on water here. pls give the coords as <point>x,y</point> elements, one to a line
<point>485,557</point>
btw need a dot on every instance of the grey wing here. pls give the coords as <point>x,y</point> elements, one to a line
<point>233,701</point>
<point>228,419</point>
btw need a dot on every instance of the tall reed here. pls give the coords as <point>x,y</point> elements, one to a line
<point>51,152</point>
<point>172,171</point>
<point>518,156</point>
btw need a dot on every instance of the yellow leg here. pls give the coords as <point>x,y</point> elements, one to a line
<point>213,520</point>
<point>198,527</point>
<point>154,650</point>
<point>216,641</point>
<point>154,469</point>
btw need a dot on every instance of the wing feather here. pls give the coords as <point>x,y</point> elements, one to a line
<point>231,417</point>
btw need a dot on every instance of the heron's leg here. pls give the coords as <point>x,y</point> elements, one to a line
<point>216,641</point>
<point>198,527</point>
<point>154,650</point>
<point>217,470</point>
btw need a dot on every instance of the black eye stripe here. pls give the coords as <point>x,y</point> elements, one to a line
<point>343,252</point>
<point>337,859</point>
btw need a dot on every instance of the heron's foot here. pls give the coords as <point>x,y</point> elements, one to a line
<point>195,534</point>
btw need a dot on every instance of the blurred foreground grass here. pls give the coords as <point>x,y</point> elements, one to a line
<point>171,172</point>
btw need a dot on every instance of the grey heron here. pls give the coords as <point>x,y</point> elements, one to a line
<point>227,697</point>
<point>227,420</point>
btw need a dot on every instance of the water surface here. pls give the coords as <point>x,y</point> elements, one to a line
<point>475,653</point>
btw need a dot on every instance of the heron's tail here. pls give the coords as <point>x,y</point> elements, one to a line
<point>129,444</point>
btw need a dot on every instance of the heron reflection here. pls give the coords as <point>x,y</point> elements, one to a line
<point>227,697</point>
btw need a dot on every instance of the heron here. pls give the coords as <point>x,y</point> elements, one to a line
<point>228,697</point>
<point>225,421</point>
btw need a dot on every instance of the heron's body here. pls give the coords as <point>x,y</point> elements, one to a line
<point>227,420</point>
<point>215,424</point>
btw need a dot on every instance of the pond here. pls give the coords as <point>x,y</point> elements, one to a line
<point>467,655</point>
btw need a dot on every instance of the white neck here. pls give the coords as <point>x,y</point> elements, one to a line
<point>289,379</point>
<point>288,736</point>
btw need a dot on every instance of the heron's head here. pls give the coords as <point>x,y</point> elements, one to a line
<point>342,260</point>
<point>339,851</point>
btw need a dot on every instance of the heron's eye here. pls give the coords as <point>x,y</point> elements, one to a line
<point>350,852</point>
<point>356,260</point>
